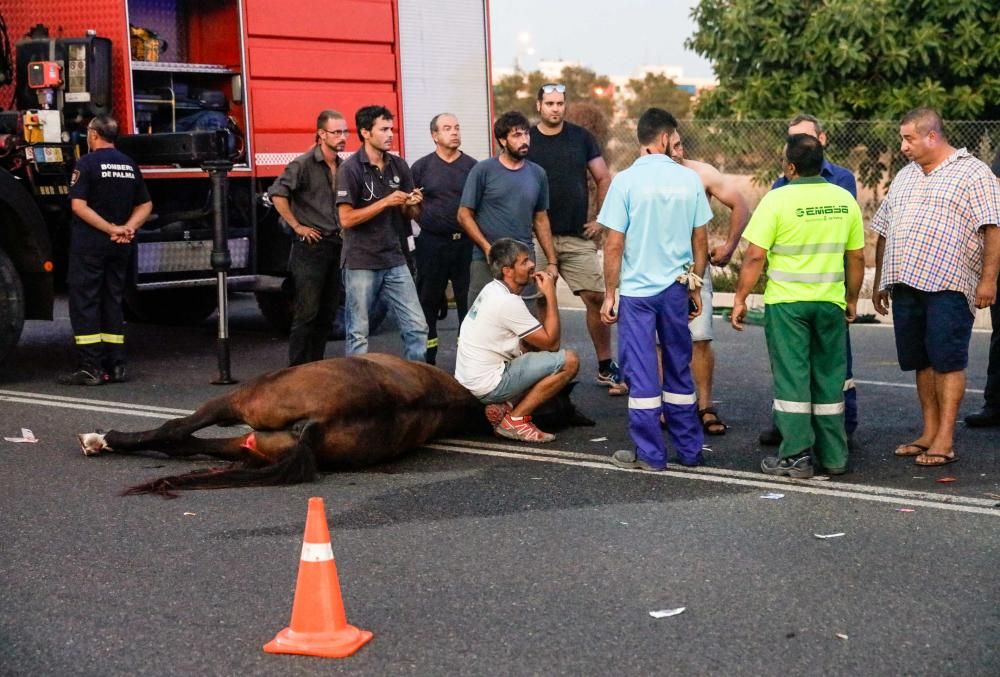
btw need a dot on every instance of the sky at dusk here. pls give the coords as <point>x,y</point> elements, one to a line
<point>611,37</point>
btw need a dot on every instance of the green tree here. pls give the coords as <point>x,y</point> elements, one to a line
<point>850,59</point>
<point>657,90</point>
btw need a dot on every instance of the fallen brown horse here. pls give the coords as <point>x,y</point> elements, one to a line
<point>341,413</point>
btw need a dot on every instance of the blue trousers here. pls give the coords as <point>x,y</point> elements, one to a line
<point>641,320</point>
<point>394,286</point>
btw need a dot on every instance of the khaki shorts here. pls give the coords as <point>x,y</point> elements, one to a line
<point>576,259</point>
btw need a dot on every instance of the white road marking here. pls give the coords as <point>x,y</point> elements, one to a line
<point>951,503</point>
<point>719,475</point>
<point>890,384</point>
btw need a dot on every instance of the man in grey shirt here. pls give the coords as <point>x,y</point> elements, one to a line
<point>304,197</point>
<point>506,196</point>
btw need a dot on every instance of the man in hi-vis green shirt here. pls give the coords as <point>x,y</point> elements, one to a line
<point>804,229</point>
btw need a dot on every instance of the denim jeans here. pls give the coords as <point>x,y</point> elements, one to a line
<point>396,288</point>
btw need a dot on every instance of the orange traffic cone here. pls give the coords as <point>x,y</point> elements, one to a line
<point>319,626</point>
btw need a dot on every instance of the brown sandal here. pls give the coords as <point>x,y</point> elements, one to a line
<point>712,425</point>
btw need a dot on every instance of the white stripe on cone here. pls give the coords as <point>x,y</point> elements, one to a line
<point>317,552</point>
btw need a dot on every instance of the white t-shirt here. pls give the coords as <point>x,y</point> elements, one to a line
<point>491,337</point>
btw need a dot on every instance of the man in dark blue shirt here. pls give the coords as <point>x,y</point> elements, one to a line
<point>443,251</point>
<point>109,202</point>
<point>843,177</point>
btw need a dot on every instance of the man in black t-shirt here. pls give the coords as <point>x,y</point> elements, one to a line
<point>376,200</point>
<point>443,251</point>
<point>109,202</point>
<point>568,152</point>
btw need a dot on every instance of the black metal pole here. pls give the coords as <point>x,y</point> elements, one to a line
<point>218,172</point>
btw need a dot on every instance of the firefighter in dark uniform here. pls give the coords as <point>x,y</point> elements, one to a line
<point>304,197</point>
<point>110,203</point>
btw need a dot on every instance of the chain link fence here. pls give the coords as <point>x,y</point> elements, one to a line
<point>749,152</point>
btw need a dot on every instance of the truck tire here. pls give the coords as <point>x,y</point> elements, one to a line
<point>276,307</point>
<point>183,306</point>
<point>11,306</point>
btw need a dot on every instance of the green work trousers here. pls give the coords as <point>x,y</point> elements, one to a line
<point>807,347</point>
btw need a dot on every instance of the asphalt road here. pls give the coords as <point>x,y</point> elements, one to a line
<point>479,557</point>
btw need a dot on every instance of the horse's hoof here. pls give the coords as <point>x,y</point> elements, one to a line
<point>92,443</point>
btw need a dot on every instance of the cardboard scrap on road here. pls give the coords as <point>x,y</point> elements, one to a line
<point>26,436</point>
<point>905,510</point>
<point>772,496</point>
<point>946,480</point>
<point>667,613</point>
<point>841,635</point>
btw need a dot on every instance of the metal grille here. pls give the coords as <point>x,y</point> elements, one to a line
<point>190,255</point>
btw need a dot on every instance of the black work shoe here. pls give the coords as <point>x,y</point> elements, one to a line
<point>770,437</point>
<point>987,417</point>
<point>797,467</point>
<point>116,375</point>
<point>81,377</point>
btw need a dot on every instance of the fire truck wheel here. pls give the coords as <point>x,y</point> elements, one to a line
<point>11,306</point>
<point>188,305</point>
<point>276,307</point>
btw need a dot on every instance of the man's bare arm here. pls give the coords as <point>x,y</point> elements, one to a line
<point>724,189</point>
<point>880,297</point>
<point>753,264</point>
<point>351,216</point>
<point>614,247</point>
<point>854,276</point>
<point>543,231</point>
<point>86,214</point>
<point>547,337</point>
<point>986,290</point>
<point>602,178</point>
<point>467,219</point>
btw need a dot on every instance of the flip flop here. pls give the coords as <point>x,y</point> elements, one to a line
<point>946,461</point>
<point>920,449</point>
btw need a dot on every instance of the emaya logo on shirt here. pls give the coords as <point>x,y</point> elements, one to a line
<point>819,211</point>
<point>114,171</point>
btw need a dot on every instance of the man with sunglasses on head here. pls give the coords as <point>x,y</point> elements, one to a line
<point>304,198</point>
<point>567,152</point>
<point>506,196</point>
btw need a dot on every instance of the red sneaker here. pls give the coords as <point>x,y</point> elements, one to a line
<point>523,430</point>
<point>496,412</point>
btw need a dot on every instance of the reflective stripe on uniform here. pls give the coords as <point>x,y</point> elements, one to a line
<point>849,384</point>
<point>87,339</point>
<point>432,343</point>
<point>113,338</point>
<point>316,552</point>
<point>811,278</point>
<point>679,398</point>
<point>828,409</point>
<point>644,403</point>
<point>789,407</point>
<point>815,248</point>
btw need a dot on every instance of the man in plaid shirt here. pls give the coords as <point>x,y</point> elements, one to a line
<point>938,255</point>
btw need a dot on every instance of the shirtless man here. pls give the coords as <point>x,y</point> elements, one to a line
<point>720,187</point>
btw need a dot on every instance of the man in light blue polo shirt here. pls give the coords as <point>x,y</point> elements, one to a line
<point>655,212</point>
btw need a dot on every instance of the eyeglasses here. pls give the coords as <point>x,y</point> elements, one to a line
<point>549,89</point>
<point>335,132</point>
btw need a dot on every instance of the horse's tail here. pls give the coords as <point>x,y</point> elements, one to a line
<point>296,466</point>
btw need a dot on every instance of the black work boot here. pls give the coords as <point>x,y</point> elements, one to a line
<point>797,467</point>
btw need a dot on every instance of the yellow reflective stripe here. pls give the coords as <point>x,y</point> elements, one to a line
<point>679,398</point>
<point>87,339</point>
<point>815,248</point>
<point>644,403</point>
<point>432,343</point>
<point>113,338</point>
<point>828,409</point>
<point>810,278</point>
<point>789,407</point>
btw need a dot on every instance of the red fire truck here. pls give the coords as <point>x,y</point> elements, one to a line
<point>257,70</point>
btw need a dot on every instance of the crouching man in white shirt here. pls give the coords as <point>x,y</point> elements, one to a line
<point>491,362</point>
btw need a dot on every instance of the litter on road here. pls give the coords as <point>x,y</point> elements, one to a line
<point>599,439</point>
<point>667,613</point>
<point>946,480</point>
<point>824,536</point>
<point>841,635</point>
<point>26,436</point>
<point>772,496</point>
<point>905,510</point>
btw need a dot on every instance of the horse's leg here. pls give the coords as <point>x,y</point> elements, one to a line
<point>255,449</point>
<point>215,411</point>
